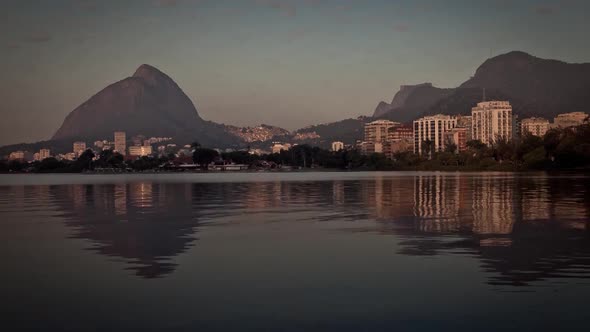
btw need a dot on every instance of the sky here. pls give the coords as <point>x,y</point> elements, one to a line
<point>290,63</point>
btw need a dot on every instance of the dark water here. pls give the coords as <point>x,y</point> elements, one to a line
<point>295,252</point>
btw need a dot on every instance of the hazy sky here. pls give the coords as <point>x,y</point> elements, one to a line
<point>289,63</point>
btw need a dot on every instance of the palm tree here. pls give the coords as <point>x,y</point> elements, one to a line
<point>427,147</point>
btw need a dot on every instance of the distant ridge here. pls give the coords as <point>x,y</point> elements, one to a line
<point>533,85</point>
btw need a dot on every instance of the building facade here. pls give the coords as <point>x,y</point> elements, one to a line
<point>337,146</point>
<point>465,121</point>
<point>432,129</point>
<point>458,137</point>
<point>17,155</point>
<point>278,147</point>
<point>121,142</point>
<point>491,120</point>
<point>570,119</point>
<point>534,126</point>
<point>400,132</point>
<point>44,154</point>
<point>140,151</point>
<point>377,131</point>
<point>79,148</point>
<point>368,148</point>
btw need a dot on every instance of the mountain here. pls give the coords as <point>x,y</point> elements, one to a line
<point>538,86</point>
<point>533,85</point>
<point>347,131</point>
<point>409,100</point>
<point>149,103</point>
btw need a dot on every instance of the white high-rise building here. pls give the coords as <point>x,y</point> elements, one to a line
<point>491,120</point>
<point>120,142</point>
<point>432,129</point>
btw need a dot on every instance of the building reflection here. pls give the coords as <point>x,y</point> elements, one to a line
<point>522,229</point>
<point>493,206</point>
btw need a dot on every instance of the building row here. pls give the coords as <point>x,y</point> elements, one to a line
<point>489,122</point>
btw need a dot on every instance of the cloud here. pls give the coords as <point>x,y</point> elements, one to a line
<point>40,37</point>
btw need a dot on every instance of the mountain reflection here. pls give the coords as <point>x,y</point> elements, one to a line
<point>520,228</point>
<point>146,224</point>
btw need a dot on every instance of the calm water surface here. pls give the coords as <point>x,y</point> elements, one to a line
<point>295,252</point>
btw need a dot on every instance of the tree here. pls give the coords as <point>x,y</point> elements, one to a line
<point>111,159</point>
<point>476,145</point>
<point>451,147</point>
<point>378,161</point>
<point>16,166</point>
<point>527,144</point>
<point>50,165</point>
<point>551,142</point>
<point>84,162</point>
<point>502,149</point>
<point>204,156</point>
<point>427,147</point>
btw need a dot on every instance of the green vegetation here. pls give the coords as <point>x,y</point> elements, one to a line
<point>567,148</point>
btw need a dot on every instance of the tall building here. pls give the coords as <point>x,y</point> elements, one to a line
<point>400,132</point>
<point>458,137</point>
<point>491,120</point>
<point>399,139</point>
<point>534,126</point>
<point>465,121</point>
<point>120,142</point>
<point>79,147</point>
<point>337,146</point>
<point>140,151</point>
<point>432,129</point>
<point>377,131</point>
<point>570,119</point>
<point>44,154</point>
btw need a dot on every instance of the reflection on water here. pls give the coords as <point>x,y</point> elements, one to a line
<point>146,224</point>
<point>520,228</point>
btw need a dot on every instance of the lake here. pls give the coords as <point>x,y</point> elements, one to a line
<point>295,252</point>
